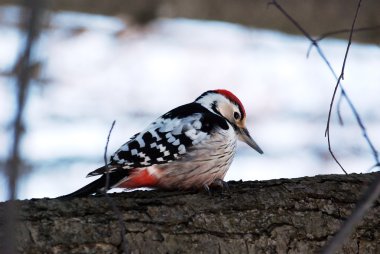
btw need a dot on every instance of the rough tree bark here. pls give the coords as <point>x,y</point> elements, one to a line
<point>276,216</point>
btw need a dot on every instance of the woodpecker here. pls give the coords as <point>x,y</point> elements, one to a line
<point>189,147</point>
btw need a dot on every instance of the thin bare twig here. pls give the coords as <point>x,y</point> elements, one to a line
<point>314,43</point>
<point>344,95</point>
<point>105,158</point>
<point>31,17</point>
<point>341,31</point>
<point>350,103</point>
<point>116,210</point>
<point>341,77</point>
<point>322,55</point>
<point>344,31</point>
<point>374,190</point>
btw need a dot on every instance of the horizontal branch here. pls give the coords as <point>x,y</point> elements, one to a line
<point>285,215</point>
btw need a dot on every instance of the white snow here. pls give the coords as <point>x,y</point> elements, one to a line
<point>111,71</point>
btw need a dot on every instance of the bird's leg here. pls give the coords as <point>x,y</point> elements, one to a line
<point>217,187</point>
<point>219,183</point>
<point>207,188</point>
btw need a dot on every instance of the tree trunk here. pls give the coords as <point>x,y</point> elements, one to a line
<point>276,216</point>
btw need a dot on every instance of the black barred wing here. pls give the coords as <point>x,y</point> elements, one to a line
<point>167,139</point>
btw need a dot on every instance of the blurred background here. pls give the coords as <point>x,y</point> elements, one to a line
<point>132,61</point>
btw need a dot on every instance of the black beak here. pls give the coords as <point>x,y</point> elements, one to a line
<point>246,138</point>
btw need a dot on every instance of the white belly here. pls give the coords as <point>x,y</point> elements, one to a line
<point>202,164</point>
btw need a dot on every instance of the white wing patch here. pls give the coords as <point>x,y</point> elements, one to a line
<point>164,140</point>
<point>181,149</point>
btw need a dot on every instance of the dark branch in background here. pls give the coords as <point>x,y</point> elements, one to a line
<point>33,13</point>
<point>124,244</point>
<point>374,190</point>
<point>30,17</point>
<point>338,83</point>
<point>350,103</point>
<point>341,31</point>
<point>344,31</point>
<point>322,55</point>
<point>314,42</point>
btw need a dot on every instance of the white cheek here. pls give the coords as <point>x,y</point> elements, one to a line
<point>227,111</point>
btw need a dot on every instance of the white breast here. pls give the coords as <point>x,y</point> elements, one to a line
<point>202,164</point>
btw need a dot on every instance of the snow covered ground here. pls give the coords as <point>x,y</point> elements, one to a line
<point>102,70</point>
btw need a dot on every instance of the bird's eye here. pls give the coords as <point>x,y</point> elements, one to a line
<point>236,115</point>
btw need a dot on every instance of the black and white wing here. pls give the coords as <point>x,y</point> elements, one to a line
<point>167,139</point>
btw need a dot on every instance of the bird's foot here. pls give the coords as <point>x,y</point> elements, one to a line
<point>217,184</point>
<point>207,188</point>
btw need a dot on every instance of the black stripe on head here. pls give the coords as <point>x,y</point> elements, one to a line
<point>204,94</point>
<point>215,109</point>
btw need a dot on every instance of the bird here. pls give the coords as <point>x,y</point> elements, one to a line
<point>191,147</point>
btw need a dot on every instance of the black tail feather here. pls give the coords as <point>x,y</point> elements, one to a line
<point>97,186</point>
<point>102,170</point>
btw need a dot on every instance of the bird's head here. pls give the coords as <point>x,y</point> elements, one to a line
<point>226,104</point>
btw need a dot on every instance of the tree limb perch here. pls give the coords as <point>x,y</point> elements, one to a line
<point>285,215</point>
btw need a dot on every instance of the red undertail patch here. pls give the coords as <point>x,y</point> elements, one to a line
<point>139,178</point>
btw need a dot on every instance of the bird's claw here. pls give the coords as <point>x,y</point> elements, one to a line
<point>221,184</point>
<point>217,184</point>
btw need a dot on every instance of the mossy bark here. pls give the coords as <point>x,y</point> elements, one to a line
<point>276,216</point>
